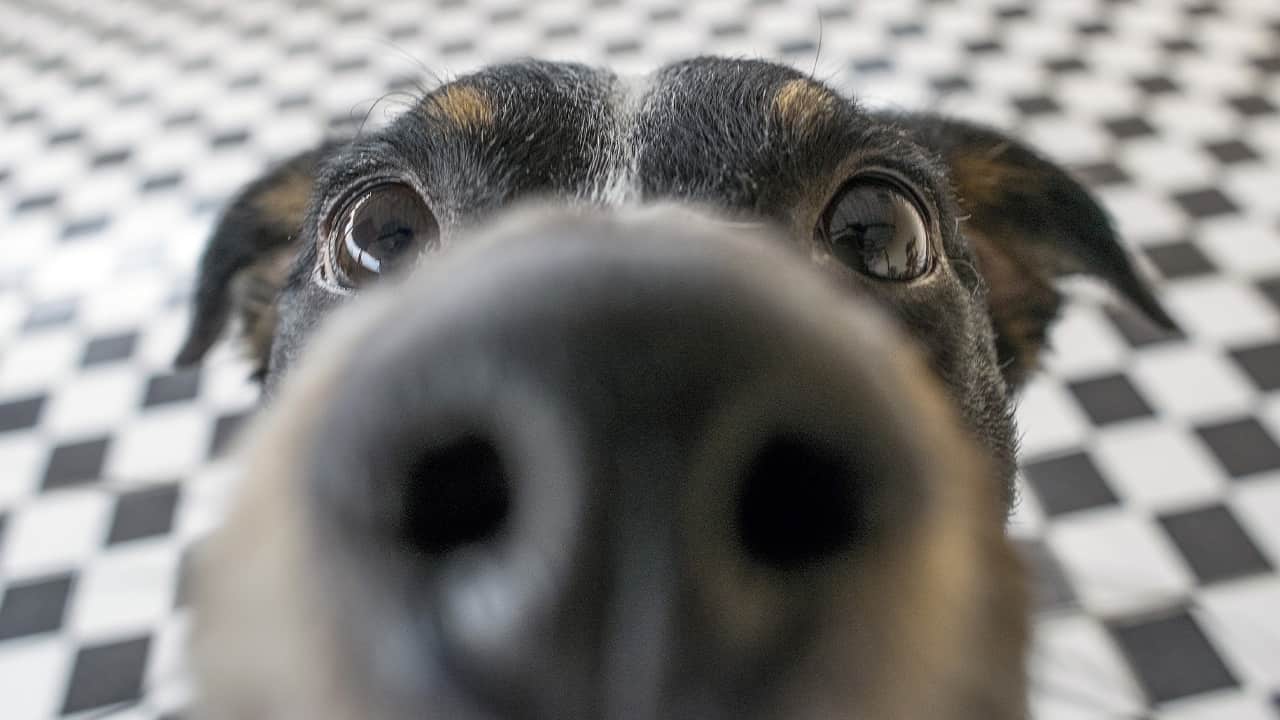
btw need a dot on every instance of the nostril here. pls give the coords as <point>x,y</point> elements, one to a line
<point>800,504</point>
<point>455,496</point>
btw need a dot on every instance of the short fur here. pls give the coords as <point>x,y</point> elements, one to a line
<point>753,142</point>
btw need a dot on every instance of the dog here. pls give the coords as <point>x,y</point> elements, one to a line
<point>687,395</point>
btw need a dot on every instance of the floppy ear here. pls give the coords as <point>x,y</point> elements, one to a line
<point>1028,223</point>
<point>248,259</point>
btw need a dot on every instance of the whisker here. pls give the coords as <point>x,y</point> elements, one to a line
<point>416,61</point>
<point>817,53</point>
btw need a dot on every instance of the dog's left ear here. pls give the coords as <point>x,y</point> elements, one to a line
<point>248,258</point>
<point>1028,222</point>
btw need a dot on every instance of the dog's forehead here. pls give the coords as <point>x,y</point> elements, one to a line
<point>733,133</point>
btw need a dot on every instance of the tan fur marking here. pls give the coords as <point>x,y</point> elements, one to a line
<point>802,104</point>
<point>284,204</point>
<point>464,107</point>
<point>254,293</point>
<point>981,179</point>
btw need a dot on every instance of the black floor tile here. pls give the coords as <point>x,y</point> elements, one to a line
<point>1214,544</point>
<point>1261,363</point>
<point>22,413</point>
<point>297,100</point>
<point>906,29</point>
<point>950,83</point>
<point>181,119</point>
<point>143,513</point>
<point>180,386</point>
<point>229,138</point>
<point>1180,46</point>
<point>984,47</point>
<point>1064,65</point>
<point>111,157</point>
<point>163,181</point>
<point>63,137</point>
<point>34,606</point>
<point>1137,330</point>
<point>86,226</point>
<point>1171,656</point>
<point>1179,260</point>
<point>1068,483</point>
<point>224,432</point>
<point>1093,28</point>
<point>1242,446</point>
<point>1231,151</point>
<point>1267,63</point>
<point>109,348</point>
<point>1205,203</point>
<point>666,14</point>
<point>42,201</point>
<point>1270,287</point>
<point>872,64</point>
<point>1037,105</point>
<point>1156,84</point>
<point>1102,174</point>
<point>107,674</point>
<point>1125,128</point>
<point>50,314</point>
<point>1253,105</point>
<point>75,463</point>
<point>1109,399</point>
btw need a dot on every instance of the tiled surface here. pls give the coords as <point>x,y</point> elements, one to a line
<point>1152,494</point>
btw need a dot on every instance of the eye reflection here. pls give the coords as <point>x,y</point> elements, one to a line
<point>873,227</point>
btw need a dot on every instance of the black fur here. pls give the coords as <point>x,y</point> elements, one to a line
<point>703,132</point>
<point>634,334</point>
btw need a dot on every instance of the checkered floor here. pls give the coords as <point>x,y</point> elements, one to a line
<point>1151,462</point>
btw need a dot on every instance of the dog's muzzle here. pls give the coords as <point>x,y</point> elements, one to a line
<point>627,468</point>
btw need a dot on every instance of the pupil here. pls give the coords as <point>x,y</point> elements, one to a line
<point>392,239</point>
<point>384,242</point>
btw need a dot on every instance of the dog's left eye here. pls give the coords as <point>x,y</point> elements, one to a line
<point>380,231</point>
<point>874,227</point>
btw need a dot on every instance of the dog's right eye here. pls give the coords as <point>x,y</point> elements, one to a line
<point>382,230</point>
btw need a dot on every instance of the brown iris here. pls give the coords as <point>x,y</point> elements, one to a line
<point>383,230</point>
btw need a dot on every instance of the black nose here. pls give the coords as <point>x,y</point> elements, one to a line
<point>599,464</point>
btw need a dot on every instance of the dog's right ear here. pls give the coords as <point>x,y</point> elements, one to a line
<point>248,259</point>
<point>1029,223</point>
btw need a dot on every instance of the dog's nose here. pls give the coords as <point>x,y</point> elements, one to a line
<point>591,463</point>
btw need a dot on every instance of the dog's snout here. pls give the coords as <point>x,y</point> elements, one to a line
<point>591,467</point>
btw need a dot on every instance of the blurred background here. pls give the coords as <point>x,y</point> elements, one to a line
<point>1151,502</point>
